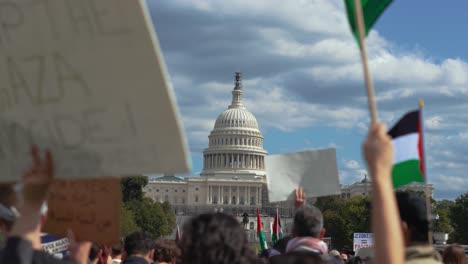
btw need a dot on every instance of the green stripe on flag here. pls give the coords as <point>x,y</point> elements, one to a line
<point>274,238</point>
<point>371,10</point>
<point>406,172</point>
<point>261,238</point>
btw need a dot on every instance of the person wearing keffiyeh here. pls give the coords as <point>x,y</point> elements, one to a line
<point>306,245</point>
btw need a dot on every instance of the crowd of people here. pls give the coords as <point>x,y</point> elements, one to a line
<point>400,224</point>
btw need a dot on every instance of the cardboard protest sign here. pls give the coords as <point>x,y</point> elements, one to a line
<point>315,170</point>
<point>90,208</point>
<point>363,240</point>
<point>87,80</point>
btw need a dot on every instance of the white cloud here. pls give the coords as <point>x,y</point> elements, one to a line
<point>303,70</point>
<point>352,164</point>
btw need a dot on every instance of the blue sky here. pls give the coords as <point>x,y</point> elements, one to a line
<point>303,77</point>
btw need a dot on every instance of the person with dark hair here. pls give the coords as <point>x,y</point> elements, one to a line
<point>415,228</point>
<point>166,252</point>
<point>281,244</point>
<point>94,254</point>
<point>356,260</point>
<point>138,248</point>
<point>116,252</point>
<point>454,254</point>
<point>215,239</point>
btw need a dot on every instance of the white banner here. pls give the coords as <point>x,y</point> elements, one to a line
<point>363,240</point>
<point>314,170</point>
<point>87,80</point>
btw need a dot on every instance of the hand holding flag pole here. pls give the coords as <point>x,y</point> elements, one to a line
<point>359,20</point>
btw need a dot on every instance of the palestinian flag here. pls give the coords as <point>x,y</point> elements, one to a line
<point>277,231</point>
<point>407,136</point>
<point>260,234</point>
<point>371,11</point>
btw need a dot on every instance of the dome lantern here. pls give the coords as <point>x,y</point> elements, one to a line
<point>237,92</point>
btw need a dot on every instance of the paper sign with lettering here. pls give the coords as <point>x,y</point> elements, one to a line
<point>87,80</point>
<point>314,170</point>
<point>57,247</point>
<point>89,207</point>
<point>363,240</point>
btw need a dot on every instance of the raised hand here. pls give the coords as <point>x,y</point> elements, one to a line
<point>36,181</point>
<point>378,150</point>
<point>299,197</point>
<point>79,251</point>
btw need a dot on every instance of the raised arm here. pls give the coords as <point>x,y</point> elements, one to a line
<point>388,238</point>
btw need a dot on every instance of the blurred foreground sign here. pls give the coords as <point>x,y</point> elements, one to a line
<point>90,208</point>
<point>87,80</point>
<point>315,170</point>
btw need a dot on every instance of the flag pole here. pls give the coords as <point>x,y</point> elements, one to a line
<point>367,78</point>
<point>426,186</point>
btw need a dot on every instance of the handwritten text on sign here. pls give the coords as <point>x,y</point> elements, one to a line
<point>86,80</point>
<point>90,208</point>
<point>363,240</point>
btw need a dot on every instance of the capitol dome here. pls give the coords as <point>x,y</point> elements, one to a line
<point>236,118</point>
<point>235,143</point>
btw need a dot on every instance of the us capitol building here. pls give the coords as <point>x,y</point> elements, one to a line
<point>233,178</point>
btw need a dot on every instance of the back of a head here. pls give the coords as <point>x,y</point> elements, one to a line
<point>166,251</point>
<point>308,222</point>
<point>281,244</point>
<point>413,212</point>
<point>93,252</point>
<point>215,239</point>
<point>117,249</point>
<point>299,258</point>
<point>138,243</point>
<point>355,260</point>
<point>454,254</point>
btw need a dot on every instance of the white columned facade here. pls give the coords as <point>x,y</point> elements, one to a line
<point>256,195</point>
<point>221,196</point>
<point>234,156</point>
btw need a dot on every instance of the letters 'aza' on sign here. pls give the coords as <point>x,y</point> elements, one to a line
<point>90,208</point>
<point>87,80</point>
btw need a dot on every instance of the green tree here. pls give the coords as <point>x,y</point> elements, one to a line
<point>170,217</point>
<point>132,188</point>
<point>445,204</point>
<point>459,217</point>
<point>442,210</point>
<point>335,226</point>
<point>343,218</point>
<point>150,217</point>
<point>127,221</point>
<point>357,211</point>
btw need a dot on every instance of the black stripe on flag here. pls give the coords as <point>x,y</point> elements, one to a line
<point>408,124</point>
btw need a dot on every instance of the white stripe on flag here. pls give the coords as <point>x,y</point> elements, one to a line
<point>406,147</point>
